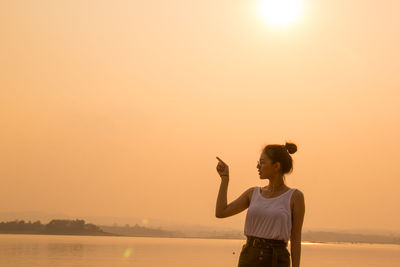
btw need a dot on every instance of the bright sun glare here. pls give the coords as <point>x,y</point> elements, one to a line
<point>281,13</point>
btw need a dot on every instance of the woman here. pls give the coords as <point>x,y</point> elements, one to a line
<point>275,213</point>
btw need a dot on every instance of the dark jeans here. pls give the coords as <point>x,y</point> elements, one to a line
<point>259,252</point>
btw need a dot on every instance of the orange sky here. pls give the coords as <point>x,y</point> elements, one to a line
<point>119,107</point>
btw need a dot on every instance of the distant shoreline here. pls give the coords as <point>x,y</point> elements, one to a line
<point>189,237</point>
<point>79,227</point>
<point>66,234</point>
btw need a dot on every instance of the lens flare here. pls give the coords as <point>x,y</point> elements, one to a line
<point>127,253</point>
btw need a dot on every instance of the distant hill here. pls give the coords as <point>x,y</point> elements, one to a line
<point>54,227</point>
<point>154,223</point>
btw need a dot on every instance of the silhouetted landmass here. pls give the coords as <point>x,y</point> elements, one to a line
<point>79,227</point>
<point>309,236</point>
<point>158,232</point>
<point>140,231</point>
<point>312,236</point>
<point>54,227</point>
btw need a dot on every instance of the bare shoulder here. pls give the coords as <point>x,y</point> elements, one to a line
<point>297,197</point>
<point>298,194</point>
<point>249,192</point>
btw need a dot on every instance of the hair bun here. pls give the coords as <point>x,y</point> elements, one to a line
<point>291,148</point>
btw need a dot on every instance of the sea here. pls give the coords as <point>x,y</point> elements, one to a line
<point>17,250</point>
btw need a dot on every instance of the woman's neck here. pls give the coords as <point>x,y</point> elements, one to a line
<point>276,184</point>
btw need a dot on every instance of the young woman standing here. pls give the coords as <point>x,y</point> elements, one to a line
<point>275,212</point>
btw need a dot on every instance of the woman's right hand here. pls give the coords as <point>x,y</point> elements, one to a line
<point>223,169</point>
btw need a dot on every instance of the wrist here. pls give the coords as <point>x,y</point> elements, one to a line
<point>224,178</point>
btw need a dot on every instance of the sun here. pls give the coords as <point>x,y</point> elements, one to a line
<point>281,13</point>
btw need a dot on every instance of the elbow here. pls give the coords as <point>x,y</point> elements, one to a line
<point>219,215</point>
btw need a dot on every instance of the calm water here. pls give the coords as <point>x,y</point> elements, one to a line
<point>50,251</point>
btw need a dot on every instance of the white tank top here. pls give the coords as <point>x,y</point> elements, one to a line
<point>269,217</point>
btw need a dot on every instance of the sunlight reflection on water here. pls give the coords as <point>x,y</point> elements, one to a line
<point>46,251</point>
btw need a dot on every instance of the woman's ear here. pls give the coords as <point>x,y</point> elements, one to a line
<point>277,166</point>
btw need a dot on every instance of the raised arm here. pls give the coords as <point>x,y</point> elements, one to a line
<point>223,210</point>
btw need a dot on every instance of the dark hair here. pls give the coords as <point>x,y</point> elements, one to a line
<point>280,153</point>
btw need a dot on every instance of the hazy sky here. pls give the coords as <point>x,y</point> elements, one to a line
<point>119,108</point>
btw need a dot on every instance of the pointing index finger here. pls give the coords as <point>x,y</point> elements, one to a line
<point>221,160</point>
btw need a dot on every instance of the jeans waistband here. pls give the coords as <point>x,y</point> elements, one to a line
<point>264,242</point>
